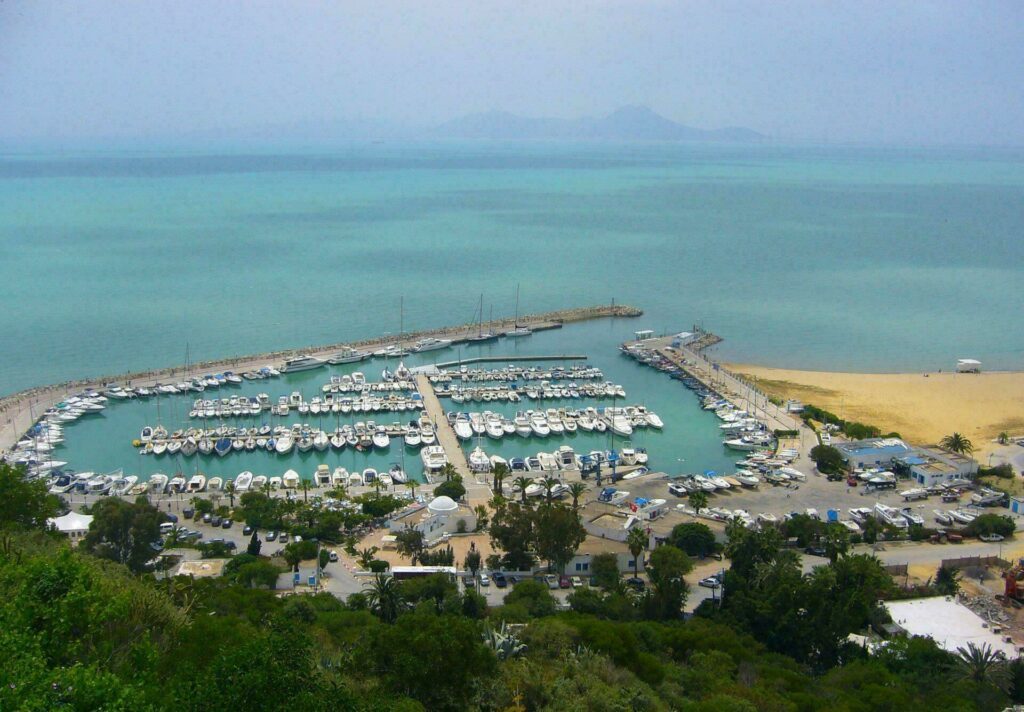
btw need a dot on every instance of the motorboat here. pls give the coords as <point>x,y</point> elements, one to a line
<point>290,480</point>
<point>912,517</point>
<point>275,482</point>
<point>259,482</point>
<point>431,344</point>
<point>961,517</point>
<point>412,437</point>
<point>397,474</point>
<point>322,476</point>
<point>222,446</point>
<point>243,482</point>
<point>462,427</point>
<point>123,485</point>
<point>654,420</point>
<point>176,484</point>
<point>301,363</point>
<point>369,476</point>
<point>348,355</point>
<point>355,479</point>
<point>479,461</point>
<point>157,483</point>
<point>890,515</point>
<point>215,484</point>
<point>381,439</point>
<point>539,425</point>
<point>197,483</point>
<point>99,485</point>
<point>434,458</point>
<point>339,478</point>
<point>321,441</point>
<point>284,445</point>
<point>942,517</point>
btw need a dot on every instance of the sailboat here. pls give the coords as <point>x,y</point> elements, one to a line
<point>481,335</point>
<point>518,330</point>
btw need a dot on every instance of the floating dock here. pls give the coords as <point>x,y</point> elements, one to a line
<point>445,434</point>
<point>503,359</point>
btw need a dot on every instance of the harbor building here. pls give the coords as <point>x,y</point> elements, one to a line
<point>436,520</point>
<point>930,466</point>
<point>873,452</point>
<point>73,525</point>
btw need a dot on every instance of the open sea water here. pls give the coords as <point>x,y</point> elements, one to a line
<point>828,258</point>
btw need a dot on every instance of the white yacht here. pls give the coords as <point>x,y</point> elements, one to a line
<point>431,344</point>
<point>290,480</point>
<point>243,482</point>
<point>433,458</point>
<point>478,460</point>
<point>301,363</point>
<point>157,483</point>
<point>348,355</point>
<point>197,483</point>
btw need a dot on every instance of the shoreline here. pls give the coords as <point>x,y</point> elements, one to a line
<point>20,410</point>
<point>921,406</point>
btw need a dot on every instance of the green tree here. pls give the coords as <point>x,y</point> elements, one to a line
<point>449,471</point>
<point>202,506</point>
<point>410,542</point>
<point>991,524</point>
<point>384,597</point>
<point>947,580</point>
<point>472,561</point>
<point>534,596</point>
<point>254,544</point>
<point>836,540</point>
<point>982,664</point>
<point>956,442</point>
<point>366,556</point>
<point>511,532</point>
<point>452,487</point>
<point>694,538</point>
<point>229,490</point>
<point>24,504</point>
<point>827,459</point>
<point>636,540</point>
<point>576,490</point>
<point>667,568</point>
<point>396,654</point>
<point>125,532</point>
<point>698,499</point>
<point>557,533</point>
<point>549,486</point>
<point>605,570</point>
<point>521,483</point>
<point>499,472</point>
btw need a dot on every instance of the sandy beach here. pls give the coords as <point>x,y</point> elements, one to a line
<point>922,407</point>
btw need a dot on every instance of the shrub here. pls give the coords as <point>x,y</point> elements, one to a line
<point>827,459</point>
<point>991,524</point>
<point>378,566</point>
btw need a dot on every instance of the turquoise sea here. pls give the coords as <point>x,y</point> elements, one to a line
<point>876,259</point>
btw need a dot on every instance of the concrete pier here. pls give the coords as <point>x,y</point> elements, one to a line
<point>446,437</point>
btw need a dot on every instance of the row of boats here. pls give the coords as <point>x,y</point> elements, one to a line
<point>197,384</point>
<point>513,373</point>
<point>554,421</point>
<point>330,404</point>
<point>564,458</point>
<point>544,390</point>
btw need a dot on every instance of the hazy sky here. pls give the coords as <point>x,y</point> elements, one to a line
<point>893,71</point>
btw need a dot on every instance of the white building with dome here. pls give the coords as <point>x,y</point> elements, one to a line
<point>437,520</point>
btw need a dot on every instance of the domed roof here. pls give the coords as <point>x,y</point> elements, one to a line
<point>442,504</point>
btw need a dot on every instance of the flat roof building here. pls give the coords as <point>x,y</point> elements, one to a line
<point>949,623</point>
<point>930,466</point>
<point>873,452</point>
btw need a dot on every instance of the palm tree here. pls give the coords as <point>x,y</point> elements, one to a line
<point>500,471</point>
<point>448,471</point>
<point>385,597</point>
<point>366,557</point>
<point>957,443</point>
<point>1003,438</point>
<point>304,484</point>
<point>522,483</point>
<point>576,489</point>
<point>412,485</point>
<point>549,486</point>
<point>982,664</point>
<point>229,488</point>
<point>698,500</point>
<point>637,542</point>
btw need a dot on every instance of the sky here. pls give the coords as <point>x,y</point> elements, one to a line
<point>876,72</point>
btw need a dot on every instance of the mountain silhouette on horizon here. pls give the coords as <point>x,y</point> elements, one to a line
<point>628,123</point>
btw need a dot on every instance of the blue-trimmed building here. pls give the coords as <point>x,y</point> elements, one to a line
<point>873,452</point>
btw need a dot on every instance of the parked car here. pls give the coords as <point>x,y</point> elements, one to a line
<point>333,556</point>
<point>468,581</point>
<point>226,524</point>
<point>816,550</point>
<point>283,538</point>
<point>485,580</point>
<point>247,529</point>
<point>710,582</point>
<point>215,522</point>
<point>551,580</point>
<point>271,535</point>
<point>499,579</point>
<point>577,582</point>
<point>636,584</point>
<point>208,517</point>
<point>188,513</point>
<point>564,582</point>
<point>991,537</point>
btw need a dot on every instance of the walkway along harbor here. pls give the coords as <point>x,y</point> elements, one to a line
<point>19,411</point>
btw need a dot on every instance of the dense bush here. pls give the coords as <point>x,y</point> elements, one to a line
<point>991,524</point>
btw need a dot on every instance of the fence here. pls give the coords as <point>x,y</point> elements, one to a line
<point>965,561</point>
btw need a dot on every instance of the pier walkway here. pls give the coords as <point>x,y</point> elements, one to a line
<point>445,435</point>
<point>505,359</point>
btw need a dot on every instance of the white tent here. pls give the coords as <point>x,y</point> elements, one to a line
<point>968,365</point>
<point>73,525</point>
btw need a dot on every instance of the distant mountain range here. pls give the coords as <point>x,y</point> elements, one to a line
<point>630,123</point>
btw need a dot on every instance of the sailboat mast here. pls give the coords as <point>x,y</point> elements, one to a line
<point>515,323</point>
<point>480,329</point>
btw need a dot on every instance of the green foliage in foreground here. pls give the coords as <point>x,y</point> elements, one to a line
<point>81,633</point>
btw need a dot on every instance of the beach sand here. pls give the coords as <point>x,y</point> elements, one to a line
<point>920,407</point>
